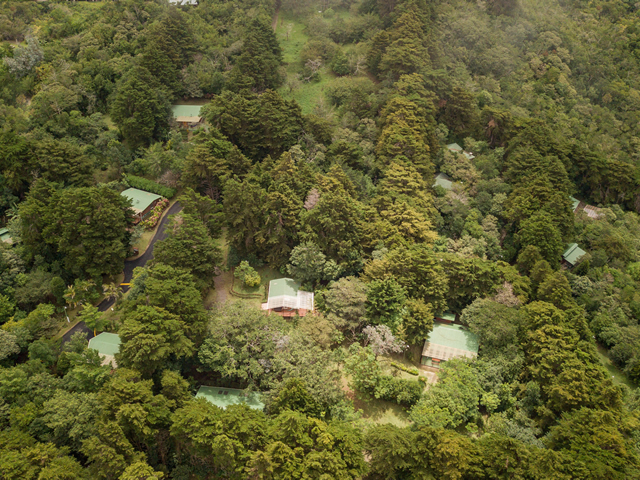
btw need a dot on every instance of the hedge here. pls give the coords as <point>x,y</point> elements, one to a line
<point>411,370</point>
<point>150,186</point>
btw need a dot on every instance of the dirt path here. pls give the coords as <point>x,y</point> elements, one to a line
<point>274,23</point>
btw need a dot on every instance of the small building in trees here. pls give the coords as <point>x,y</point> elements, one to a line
<point>107,345</point>
<point>287,300</point>
<point>579,206</point>
<point>5,236</point>
<point>223,397</point>
<point>447,341</point>
<point>455,148</point>
<point>141,202</point>
<point>444,181</point>
<point>572,255</point>
<point>187,116</point>
<point>445,317</point>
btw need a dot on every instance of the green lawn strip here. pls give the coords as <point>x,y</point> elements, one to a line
<point>617,376</point>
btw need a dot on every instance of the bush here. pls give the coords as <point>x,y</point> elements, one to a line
<point>402,391</point>
<point>247,274</point>
<point>150,186</point>
<point>410,370</point>
<point>155,215</point>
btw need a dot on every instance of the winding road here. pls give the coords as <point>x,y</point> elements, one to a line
<point>129,266</point>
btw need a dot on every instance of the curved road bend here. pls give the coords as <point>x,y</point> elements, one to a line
<point>129,266</point>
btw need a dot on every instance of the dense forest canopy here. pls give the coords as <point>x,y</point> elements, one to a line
<point>408,162</point>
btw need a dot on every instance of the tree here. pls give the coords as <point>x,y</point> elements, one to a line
<point>540,231</point>
<point>382,341</point>
<point>385,302</point>
<point>242,343</point>
<point>345,304</point>
<point>258,66</point>
<point>174,290</point>
<point>335,224</point>
<point>92,318</point>
<point>150,336</point>
<point>496,325</point>
<point>208,165</point>
<point>140,471</point>
<point>460,113</point>
<point>417,321</point>
<point>451,402</point>
<point>416,268</point>
<point>309,265</point>
<point>189,246</point>
<point>140,108</point>
<point>293,395</point>
<point>204,208</point>
<point>25,57</point>
<point>247,274</point>
<point>112,291</point>
<point>8,345</point>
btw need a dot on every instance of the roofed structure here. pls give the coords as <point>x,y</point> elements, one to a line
<point>5,236</point>
<point>573,254</point>
<point>107,345</point>
<point>455,148</point>
<point>285,295</point>
<point>188,115</point>
<point>448,341</point>
<point>444,181</point>
<point>223,397</point>
<point>448,317</point>
<point>575,203</point>
<point>141,202</point>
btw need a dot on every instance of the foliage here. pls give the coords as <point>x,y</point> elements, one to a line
<point>247,274</point>
<point>150,186</point>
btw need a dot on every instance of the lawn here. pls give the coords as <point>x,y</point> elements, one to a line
<point>307,94</point>
<point>376,411</point>
<point>617,375</point>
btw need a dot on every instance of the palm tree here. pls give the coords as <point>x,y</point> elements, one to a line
<point>112,291</point>
<point>70,296</point>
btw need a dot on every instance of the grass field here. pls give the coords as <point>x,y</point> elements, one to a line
<point>617,375</point>
<point>307,94</point>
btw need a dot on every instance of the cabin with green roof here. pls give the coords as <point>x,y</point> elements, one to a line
<point>287,300</point>
<point>5,236</point>
<point>188,116</point>
<point>107,345</point>
<point>141,202</point>
<point>447,341</point>
<point>223,397</point>
<point>572,255</point>
<point>455,148</point>
<point>443,181</point>
<point>445,317</point>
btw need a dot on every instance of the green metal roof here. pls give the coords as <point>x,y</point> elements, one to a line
<point>223,397</point>
<point>444,181</point>
<point>573,254</point>
<point>186,110</point>
<point>453,336</point>
<point>454,147</point>
<point>105,343</point>
<point>140,199</point>
<point>283,286</point>
<point>446,316</point>
<point>5,236</point>
<point>574,203</point>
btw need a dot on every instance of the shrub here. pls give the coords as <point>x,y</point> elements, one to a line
<point>247,274</point>
<point>403,391</point>
<point>150,186</point>
<point>155,215</point>
<point>410,370</point>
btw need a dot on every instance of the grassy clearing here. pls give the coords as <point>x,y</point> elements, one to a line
<point>306,94</point>
<point>617,375</point>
